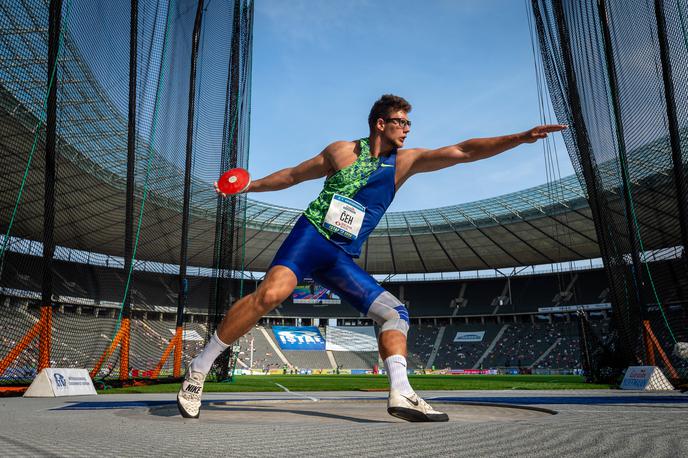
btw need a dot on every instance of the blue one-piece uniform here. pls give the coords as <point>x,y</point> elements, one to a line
<point>331,232</point>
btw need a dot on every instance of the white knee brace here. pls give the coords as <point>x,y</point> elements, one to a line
<point>389,313</point>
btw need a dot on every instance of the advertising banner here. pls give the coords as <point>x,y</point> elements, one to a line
<point>645,378</point>
<point>299,338</point>
<point>351,338</point>
<point>312,293</point>
<point>575,308</point>
<point>52,382</point>
<point>473,336</point>
<point>473,372</point>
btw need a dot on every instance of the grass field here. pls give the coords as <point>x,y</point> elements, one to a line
<point>378,382</point>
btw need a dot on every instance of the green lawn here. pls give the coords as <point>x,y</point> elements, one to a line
<point>378,382</point>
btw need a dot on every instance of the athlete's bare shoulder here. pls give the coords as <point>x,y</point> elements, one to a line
<point>341,154</point>
<point>341,146</point>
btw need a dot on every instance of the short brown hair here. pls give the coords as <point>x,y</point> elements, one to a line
<point>386,105</point>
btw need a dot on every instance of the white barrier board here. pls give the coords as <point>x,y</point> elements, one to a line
<point>645,378</point>
<point>350,338</point>
<point>52,382</point>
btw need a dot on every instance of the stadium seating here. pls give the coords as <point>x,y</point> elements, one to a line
<point>264,356</point>
<point>308,359</point>
<point>99,284</point>
<point>356,360</point>
<point>79,314</point>
<point>464,355</point>
<point>421,340</point>
<point>522,346</point>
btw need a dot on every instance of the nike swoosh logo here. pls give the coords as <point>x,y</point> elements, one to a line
<point>415,403</point>
<point>386,165</point>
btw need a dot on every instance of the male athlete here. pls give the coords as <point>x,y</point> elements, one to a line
<point>362,179</point>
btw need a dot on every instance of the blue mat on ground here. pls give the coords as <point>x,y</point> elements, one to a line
<point>509,400</point>
<point>589,400</point>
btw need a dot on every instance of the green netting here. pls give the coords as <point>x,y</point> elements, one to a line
<point>616,73</point>
<point>93,282</point>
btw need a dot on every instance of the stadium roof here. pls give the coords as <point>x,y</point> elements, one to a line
<point>544,224</point>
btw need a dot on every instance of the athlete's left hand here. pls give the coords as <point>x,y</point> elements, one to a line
<point>538,132</point>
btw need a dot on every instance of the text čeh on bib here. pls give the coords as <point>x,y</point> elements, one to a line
<point>344,217</point>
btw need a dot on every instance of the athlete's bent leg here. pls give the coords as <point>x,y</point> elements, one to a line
<point>279,282</point>
<point>392,316</point>
<point>361,290</point>
<point>403,402</point>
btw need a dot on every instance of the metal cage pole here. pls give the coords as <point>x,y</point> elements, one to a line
<point>49,186</point>
<point>183,281</point>
<point>129,205</point>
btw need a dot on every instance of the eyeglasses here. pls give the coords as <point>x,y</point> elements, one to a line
<point>401,122</point>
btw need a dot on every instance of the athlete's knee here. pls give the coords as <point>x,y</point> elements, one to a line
<point>389,313</point>
<point>278,285</point>
<point>269,297</point>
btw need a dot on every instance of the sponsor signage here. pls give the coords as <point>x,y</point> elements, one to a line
<point>473,372</point>
<point>312,293</point>
<point>645,378</point>
<point>575,308</point>
<point>473,336</point>
<point>53,382</point>
<point>299,338</point>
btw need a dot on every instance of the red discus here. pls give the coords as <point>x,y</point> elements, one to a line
<point>234,181</point>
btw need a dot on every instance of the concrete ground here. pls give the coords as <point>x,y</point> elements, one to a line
<point>482,423</point>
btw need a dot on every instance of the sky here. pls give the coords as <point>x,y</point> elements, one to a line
<point>466,67</point>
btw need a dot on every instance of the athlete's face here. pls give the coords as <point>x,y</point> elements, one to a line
<point>396,128</point>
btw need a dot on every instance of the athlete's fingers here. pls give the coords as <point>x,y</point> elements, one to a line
<point>554,127</point>
<point>217,190</point>
<point>540,132</point>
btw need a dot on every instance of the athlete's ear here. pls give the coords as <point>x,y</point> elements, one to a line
<point>380,124</point>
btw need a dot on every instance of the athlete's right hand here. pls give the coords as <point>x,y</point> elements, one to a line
<point>217,190</point>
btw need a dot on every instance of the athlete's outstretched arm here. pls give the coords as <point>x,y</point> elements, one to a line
<point>428,160</point>
<point>315,167</point>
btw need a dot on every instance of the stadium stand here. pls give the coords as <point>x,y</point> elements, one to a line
<point>523,346</point>
<point>465,301</point>
<point>264,355</point>
<point>308,359</point>
<point>520,345</point>
<point>288,308</point>
<point>364,360</point>
<point>421,340</point>
<point>478,297</point>
<point>430,299</point>
<point>435,298</point>
<point>464,355</point>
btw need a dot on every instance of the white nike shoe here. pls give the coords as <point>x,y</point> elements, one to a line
<point>412,408</point>
<point>189,396</point>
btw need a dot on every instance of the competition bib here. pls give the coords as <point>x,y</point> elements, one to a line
<point>345,217</point>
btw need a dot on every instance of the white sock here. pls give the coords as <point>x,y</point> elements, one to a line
<point>205,359</point>
<point>395,366</point>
